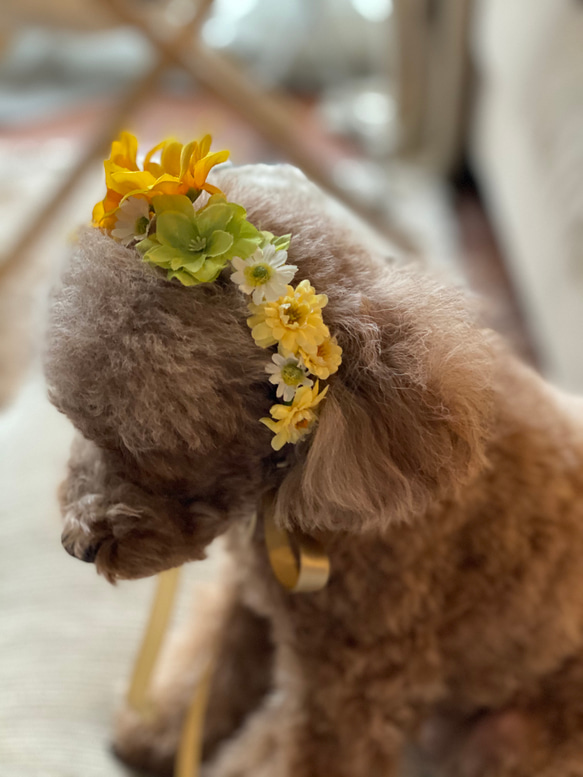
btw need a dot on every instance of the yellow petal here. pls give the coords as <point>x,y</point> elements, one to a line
<point>124,151</point>
<point>278,442</point>
<point>279,412</point>
<point>208,187</point>
<point>204,146</point>
<point>126,181</point>
<point>204,166</point>
<point>170,160</point>
<point>98,213</point>
<point>185,156</point>
<point>271,425</point>
<point>148,164</point>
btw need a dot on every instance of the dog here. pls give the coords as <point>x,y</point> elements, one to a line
<point>444,480</point>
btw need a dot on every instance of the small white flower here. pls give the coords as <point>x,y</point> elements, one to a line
<point>288,373</point>
<point>264,274</point>
<point>133,220</point>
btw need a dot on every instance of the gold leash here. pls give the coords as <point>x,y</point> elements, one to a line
<point>301,570</point>
<point>299,563</point>
<point>137,696</point>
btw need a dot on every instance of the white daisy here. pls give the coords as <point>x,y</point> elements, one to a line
<point>264,274</point>
<point>288,373</point>
<point>133,220</point>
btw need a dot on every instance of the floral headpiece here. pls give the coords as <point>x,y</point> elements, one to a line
<point>153,209</point>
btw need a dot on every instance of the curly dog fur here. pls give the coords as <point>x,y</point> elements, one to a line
<point>444,480</point>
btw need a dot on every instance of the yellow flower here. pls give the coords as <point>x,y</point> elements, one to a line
<point>325,361</point>
<point>181,170</point>
<point>294,321</point>
<point>290,423</point>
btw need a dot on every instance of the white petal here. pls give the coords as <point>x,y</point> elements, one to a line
<point>269,253</point>
<point>135,208</point>
<point>274,289</point>
<point>279,259</point>
<point>122,232</point>
<point>258,295</point>
<point>270,294</point>
<point>238,263</point>
<point>238,277</point>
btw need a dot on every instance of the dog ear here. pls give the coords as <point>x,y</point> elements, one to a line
<point>406,417</point>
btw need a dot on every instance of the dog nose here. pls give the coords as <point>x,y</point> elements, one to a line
<point>87,554</point>
<point>90,554</point>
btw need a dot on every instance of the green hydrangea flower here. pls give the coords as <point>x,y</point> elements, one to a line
<point>194,246</point>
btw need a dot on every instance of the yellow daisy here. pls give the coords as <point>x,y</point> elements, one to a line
<point>290,423</point>
<point>325,361</point>
<point>294,321</point>
<point>181,170</point>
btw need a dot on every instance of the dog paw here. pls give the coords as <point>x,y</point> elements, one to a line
<point>126,542</point>
<point>85,528</point>
<point>501,744</point>
<point>146,744</point>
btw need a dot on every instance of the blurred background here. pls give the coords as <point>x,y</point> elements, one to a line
<point>453,128</point>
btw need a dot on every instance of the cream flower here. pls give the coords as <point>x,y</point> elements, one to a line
<point>288,374</point>
<point>325,361</point>
<point>294,321</point>
<point>291,423</point>
<point>133,220</point>
<point>264,274</point>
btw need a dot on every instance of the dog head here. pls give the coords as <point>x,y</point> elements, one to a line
<point>168,385</point>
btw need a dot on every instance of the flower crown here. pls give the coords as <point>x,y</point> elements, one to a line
<point>153,209</point>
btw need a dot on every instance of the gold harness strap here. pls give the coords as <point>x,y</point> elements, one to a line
<point>299,563</point>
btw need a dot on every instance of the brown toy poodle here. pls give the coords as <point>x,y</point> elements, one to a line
<point>444,480</point>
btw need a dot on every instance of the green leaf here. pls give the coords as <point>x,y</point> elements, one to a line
<point>161,255</point>
<point>246,229</point>
<point>244,247</point>
<point>210,270</point>
<point>215,198</point>
<point>214,217</point>
<point>185,278</point>
<point>176,230</point>
<point>178,203</point>
<point>146,244</point>
<point>281,243</point>
<point>193,263</point>
<point>219,243</point>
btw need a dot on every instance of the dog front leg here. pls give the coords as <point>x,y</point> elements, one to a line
<point>308,728</point>
<point>222,628</point>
